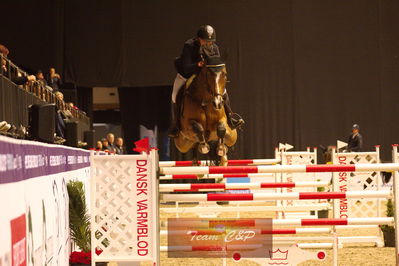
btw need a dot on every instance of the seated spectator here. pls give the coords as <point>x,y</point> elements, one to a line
<point>120,149</point>
<point>62,106</point>
<point>41,80</point>
<point>111,146</point>
<point>105,144</point>
<point>59,96</point>
<point>59,125</point>
<point>54,80</point>
<point>19,80</point>
<point>4,51</point>
<point>99,145</point>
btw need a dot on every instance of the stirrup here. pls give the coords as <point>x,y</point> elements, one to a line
<point>236,121</point>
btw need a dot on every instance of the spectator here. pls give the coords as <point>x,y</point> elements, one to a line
<point>40,78</point>
<point>59,95</point>
<point>54,79</point>
<point>105,144</point>
<point>120,149</point>
<point>4,51</point>
<point>66,114</point>
<point>19,80</point>
<point>99,145</point>
<point>355,140</point>
<point>111,145</point>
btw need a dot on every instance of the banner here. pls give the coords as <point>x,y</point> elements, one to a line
<point>34,200</point>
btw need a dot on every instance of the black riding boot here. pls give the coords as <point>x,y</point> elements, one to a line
<point>234,120</point>
<point>174,127</point>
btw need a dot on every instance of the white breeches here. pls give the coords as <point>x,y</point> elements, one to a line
<point>177,85</point>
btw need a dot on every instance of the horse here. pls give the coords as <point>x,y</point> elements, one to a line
<point>203,119</point>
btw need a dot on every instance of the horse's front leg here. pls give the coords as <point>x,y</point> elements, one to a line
<point>221,149</point>
<point>203,147</point>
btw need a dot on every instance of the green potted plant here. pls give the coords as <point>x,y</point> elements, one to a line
<point>389,230</point>
<point>79,225</point>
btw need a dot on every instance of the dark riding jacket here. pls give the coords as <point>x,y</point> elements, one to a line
<point>355,143</point>
<point>186,63</point>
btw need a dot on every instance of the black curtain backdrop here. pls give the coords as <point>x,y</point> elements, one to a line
<point>147,106</point>
<point>301,71</point>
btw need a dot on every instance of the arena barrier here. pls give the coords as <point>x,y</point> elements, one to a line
<point>115,201</point>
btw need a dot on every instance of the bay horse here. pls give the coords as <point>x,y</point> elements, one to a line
<point>203,118</point>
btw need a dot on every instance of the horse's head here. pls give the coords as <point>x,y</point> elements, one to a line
<point>216,78</point>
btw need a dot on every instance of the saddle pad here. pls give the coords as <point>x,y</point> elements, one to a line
<point>190,80</point>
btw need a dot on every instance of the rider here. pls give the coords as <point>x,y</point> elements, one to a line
<point>190,63</point>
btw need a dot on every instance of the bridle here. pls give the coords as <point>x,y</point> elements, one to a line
<point>214,94</point>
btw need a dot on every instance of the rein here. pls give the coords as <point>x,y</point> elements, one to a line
<point>202,102</point>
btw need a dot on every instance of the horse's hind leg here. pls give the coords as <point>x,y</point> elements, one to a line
<point>221,149</point>
<point>203,147</point>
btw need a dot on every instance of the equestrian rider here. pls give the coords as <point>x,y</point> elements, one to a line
<point>190,63</point>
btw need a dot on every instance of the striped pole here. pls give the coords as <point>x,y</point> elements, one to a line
<point>230,162</point>
<point>291,222</point>
<point>280,169</point>
<point>274,196</point>
<point>239,247</point>
<point>217,208</point>
<point>293,231</point>
<point>188,176</point>
<point>229,186</point>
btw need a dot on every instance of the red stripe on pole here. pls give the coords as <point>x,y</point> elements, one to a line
<point>232,169</point>
<point>208,186</point>
<point>227,197</point>
<point>184,177</point>
<point>183,163</point>
<point>324,221</point>
<point>208,248</point>
<point>278,231</point>
<point>240,162</point>
<point>234,175</point>
<point>330,168</point>
<point>322,195</point>
<point>231,223</point>
<point>277,185</point>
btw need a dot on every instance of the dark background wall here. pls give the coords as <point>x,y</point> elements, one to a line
<point>301,71</point>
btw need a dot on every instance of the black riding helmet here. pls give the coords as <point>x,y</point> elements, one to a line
<point>207,33</point>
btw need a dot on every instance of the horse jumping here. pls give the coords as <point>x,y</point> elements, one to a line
<point>203,118</point>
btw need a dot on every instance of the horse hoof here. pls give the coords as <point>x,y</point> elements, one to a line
<point>221,151</point>
<point>203,148</point>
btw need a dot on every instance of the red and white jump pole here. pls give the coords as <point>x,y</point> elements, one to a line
<point>280,169</point>
<point>274,196</point>
<point>288,231</point>
<point>230,162</point>
<point>238,247</point>
<point>167,177</point>
<point>291,222</point>
<point>227,186</point>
